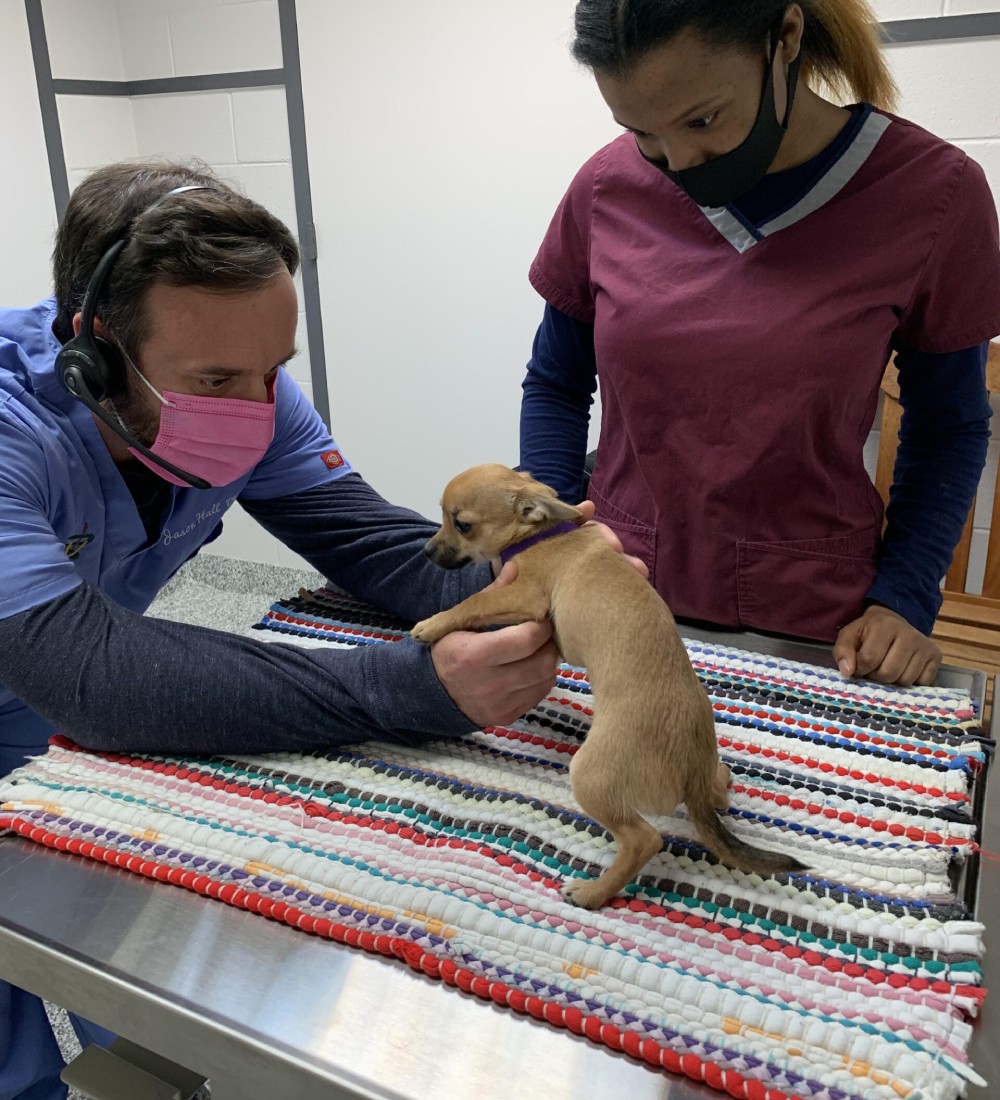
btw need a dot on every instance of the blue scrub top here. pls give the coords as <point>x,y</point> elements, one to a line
<point>66,514</point>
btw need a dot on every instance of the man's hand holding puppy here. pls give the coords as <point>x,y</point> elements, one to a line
<point>495,677</point>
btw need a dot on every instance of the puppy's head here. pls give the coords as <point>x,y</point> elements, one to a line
<point>488,508</point>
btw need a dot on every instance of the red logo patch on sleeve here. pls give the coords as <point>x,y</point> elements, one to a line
<point>333,459</point>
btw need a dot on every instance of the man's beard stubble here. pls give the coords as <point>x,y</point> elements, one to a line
<point>133,408</point>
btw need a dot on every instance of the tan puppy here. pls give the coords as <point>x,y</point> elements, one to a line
<point>652,742</point>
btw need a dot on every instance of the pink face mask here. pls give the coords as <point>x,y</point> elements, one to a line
<point>216,438</point>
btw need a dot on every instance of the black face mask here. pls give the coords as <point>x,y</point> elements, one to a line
<point>723,180</point>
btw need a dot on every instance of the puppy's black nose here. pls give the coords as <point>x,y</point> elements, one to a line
<point>429,549</point>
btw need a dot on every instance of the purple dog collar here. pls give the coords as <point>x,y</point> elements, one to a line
<point>515,548</point>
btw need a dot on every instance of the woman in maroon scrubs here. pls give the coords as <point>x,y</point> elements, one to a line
<point>735,271</point>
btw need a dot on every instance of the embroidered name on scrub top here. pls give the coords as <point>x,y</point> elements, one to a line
<point>216,512</point>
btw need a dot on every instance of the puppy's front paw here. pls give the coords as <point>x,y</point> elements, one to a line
<point>585,892</point>
<point>432,629</point>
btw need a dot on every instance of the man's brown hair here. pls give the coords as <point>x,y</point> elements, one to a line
<point>217,239</point>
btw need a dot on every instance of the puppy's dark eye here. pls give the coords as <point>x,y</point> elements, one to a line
<point>462,527</point>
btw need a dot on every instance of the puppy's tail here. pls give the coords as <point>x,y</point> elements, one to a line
<point>729,848</point>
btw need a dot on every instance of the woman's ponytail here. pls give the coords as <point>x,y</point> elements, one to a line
<point>841,47</point>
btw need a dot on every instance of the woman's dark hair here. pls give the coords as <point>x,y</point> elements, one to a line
<point>840,43</point>
<point>217,239</point>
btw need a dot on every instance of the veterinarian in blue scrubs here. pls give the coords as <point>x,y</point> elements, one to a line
<point>735,272</point>
<point>136,407</point>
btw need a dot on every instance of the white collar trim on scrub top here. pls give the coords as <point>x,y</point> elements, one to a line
<point>743,236</point>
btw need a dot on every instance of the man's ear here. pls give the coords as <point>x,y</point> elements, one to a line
<point>534,507</point>
<point>98,326</point>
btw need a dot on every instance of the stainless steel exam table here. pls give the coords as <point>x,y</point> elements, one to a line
<point>268,1013</point>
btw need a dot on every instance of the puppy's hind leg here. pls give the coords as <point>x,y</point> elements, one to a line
<point>720,787</point>
<point>637,843</point>
<point>636,840</point>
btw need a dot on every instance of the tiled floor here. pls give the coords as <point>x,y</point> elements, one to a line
<point>225,594</point>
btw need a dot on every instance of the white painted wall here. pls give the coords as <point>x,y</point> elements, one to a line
<point>441,137</point>
<point>27,208</point>
<point>83,39</point>
<point>923,9</point>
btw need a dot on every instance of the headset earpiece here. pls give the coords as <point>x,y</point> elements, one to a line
<point>100,365</point>
<point>111,366</point>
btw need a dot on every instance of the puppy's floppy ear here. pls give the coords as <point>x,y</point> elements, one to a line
<point>539,503</point>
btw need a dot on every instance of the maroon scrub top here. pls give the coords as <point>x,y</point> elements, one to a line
<point>740,365</point>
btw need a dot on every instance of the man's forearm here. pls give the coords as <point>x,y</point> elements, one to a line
<point>367,546</point>
<point>114,680</point>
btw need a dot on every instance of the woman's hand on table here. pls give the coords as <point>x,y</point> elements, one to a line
<point>883,646</point>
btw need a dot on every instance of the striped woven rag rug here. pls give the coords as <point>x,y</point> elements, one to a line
<point>857,979</point>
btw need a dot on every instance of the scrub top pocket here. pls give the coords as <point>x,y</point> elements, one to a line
<point>802,587</point>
